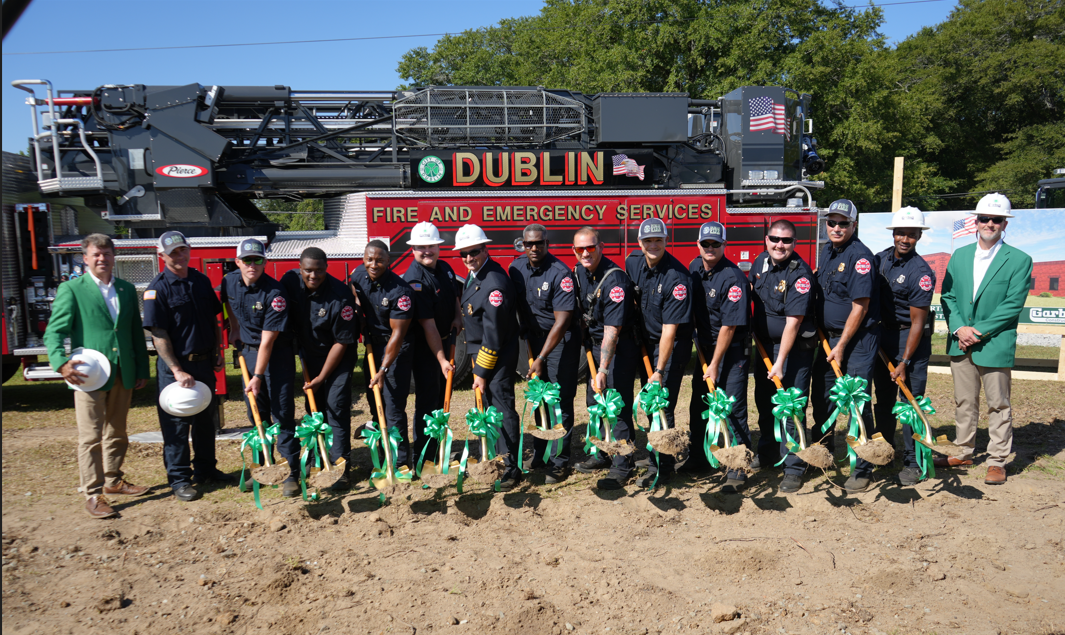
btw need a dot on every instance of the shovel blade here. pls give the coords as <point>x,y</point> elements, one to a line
<point>853,441</point>
<point>272,475</point>
<point>429,468</point>
<point>918,438</point>
<point>943,439</point>
<point>878,437</point>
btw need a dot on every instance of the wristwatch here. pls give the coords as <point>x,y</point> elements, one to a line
<point>260,376</point>
<point>905,361</point>
<point>539,357</point>
<point>384,370</point>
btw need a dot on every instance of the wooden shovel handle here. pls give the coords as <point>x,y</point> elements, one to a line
<point>389,460</point>
<point>543,408</point>
<point>646,361</point>
<point>450,380</point>
<point>309,393</point>
<point>480,406</point>
<point>906,391</point>
<point>591,377</point>
<point>254,410</point>
<point>710,385</point>
<point>800,427</point>
<point>828,351</point>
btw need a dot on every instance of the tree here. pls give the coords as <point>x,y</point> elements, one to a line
<point>305,215</point>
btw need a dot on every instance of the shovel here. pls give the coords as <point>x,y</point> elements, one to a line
<point>732,456</point>
<point>329,474</point>
<point>816,455</point>
<point>542,432</point>
<point>607,443</point>
<point>875,450</point>
<point>267,474</point>
<point>940,444</point>
<point>485,471</point>
<point>429,468</point>
<point>390,477</point>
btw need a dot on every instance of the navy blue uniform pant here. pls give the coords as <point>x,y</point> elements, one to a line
<point>796,375</point>
<point>887,391</point>
<point>499,392</point>
<point>859,358</point>
<point>275,400</point>
<point>395,386</point>
<point>621,376</point>
<point>429,388</point>
<point>732,378</point>
<point>674,376</point>
<point>562,364</point>
<point>181,466</point>
<point>333,399</point>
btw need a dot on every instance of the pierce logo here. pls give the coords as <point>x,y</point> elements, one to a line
<point>181,171</point>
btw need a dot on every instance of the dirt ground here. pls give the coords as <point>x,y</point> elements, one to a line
<point>951,555</point>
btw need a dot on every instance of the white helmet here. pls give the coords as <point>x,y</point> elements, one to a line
<point>185,402</point>
<point>470,235</point>
<point>994,205</point>
<point>424,233</point>
<point>908,217</point>
<point>92,363</point>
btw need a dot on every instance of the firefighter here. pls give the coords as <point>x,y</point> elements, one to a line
<point>664,310</point>
<point>783,286</point>
<point>325,326</point>
<point>436,301</point>
<point>604,296</point>
<point>387,307</point>
<point>720,309</point>
<point>489,306</point>
<point>181,311</point>
<point>258,322</point>
<point>544,290</point>
<point>849,314</point>
<point>906,287</point>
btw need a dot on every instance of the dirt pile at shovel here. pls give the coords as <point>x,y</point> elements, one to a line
<point>816,455</point>
<point>738,457</point>
<point>673,441</point>
<point>877,452</point>
<point>624,448</point>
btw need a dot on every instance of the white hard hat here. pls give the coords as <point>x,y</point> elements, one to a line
<point>424,233</point>
<point>908,217</point>
<point>470,235</point>
<point>185,402</point>
<point>994,205</point>
<point>92,363</point>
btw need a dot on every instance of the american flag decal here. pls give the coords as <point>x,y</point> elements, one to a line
<point>768,115</point>
<point>964,227</point>
<point>624,166</point>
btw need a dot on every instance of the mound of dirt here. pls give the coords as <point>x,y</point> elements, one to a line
<point>738,457</point>
<point>488,472</point>
<point>816,455</point>
<point>877,452</point>
<point>612,448</point>
<point>673,441</point>
<point>549,435</point>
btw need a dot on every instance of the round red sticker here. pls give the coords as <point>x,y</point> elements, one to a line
<point>567,284</point>
<point>495,298</point>
<point>403,303</point>
<point>617,294</point>
<point>680,292</point>
<point>347,313</point>
<point>735,293</point>
<point>862,266</point>
<point>802,285</point>
<point>926,283</point>
<point>278,304</point>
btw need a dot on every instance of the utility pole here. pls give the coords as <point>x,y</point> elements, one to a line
<point>896,186</point>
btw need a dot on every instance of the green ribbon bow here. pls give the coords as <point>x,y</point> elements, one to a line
<point>607,406</point>
<point>251,439</point>
<point>436,427</point>
<point>372,437</point>
<point>719,409</point>
<point>848,393</point>
<point>542,392</point>
<point>908,416</point>
<point>653,398</point>
<point>487,424</point>
<point>307,432</point>
<point>787,404</point>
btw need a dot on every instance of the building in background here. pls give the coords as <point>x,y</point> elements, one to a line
<point>1048,276</point>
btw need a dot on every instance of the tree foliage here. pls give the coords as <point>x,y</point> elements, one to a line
<point>963,102</point>
<point>305,215</point>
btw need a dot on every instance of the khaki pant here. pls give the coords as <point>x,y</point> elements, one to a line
<point>102,439</point>
<point>968,378</point>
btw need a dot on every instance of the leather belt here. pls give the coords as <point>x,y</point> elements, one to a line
<point>198,357</point>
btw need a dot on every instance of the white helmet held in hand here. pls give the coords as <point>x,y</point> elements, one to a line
<point>92,363</point>
<point>470,235</point>
<point>994,205</point>
<point>185,402</point>
<point>908,217</point>
<point>424,233</point>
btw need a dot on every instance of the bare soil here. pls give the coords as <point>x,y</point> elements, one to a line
<point>817,456</point>
<point>952,555</point>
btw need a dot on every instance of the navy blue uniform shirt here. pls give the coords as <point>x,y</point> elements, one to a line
<point>611,304</point>
<point>779,291</point>
<point>664,294</point>
<point>543,290</point>
<point>904,282</point>
<point>259,307</point>
<point>722,301</point>
<point>389,298</point>
<point>322,318</point>
<point>435,292</point>
<point>186,308</point>
<point>847,274</point>
<point>489,315</point>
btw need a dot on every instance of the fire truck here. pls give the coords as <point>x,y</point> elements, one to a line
<point>135,160</point>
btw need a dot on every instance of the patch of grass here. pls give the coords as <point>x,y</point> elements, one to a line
<point>939,347</point>
<point>1047,465</point>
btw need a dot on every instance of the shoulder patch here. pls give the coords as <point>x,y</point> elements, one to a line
<point>150,294</point>
<point>278,304</point>
<point>566,284</point>
<point>862,266</point>
<point>680,292</point>
<point>403,303</point>
<point>735,293</point>
<point>802,285</point>
<point>347,313</point>
<point>617,294</point>
<point>925,283</point>
<point>417,286</point>
<point>495,298</point>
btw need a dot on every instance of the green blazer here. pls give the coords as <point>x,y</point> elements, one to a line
<point>79,312</point>
<point>997,306</point>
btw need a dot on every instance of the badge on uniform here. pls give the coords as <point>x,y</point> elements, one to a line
<point>680,292</point>
<point>545,286</point>
<point>384,301</point>
<point>842,266</point>
<point>258,306</point>
<point>901,279</point>
<point>802,285</point>
<point>469,309</point>
<point>617,294</point>
<point>926,283</point>
<point>495,298</point>
<point>321,312</point>
<point>660,289</point>
<point>403,303</point>
<point>567,284</point>
<point>712,293</point>
<point>862,266</point>
<point>783,284</point>
<point>347,313</point>
<point>735,293</point>
<point>451,275</point>
<point>278,304</point>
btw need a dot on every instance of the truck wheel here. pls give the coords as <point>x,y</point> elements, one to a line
<point>10,368</point>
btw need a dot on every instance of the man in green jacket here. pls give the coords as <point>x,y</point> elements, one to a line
<point>983,294</point>
<point>100,312</point>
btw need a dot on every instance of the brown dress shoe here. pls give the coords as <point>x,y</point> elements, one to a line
<point>98,508</point>
<point>126,489</point>
<point>949,461</point>
<point>995,475</point>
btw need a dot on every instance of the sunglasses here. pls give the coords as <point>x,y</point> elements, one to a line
<point>838,223</point>
<point>710,244</point>
<point>533,243</point>
<point>473,253</point>
<point>591,249</point>
<point>787,240</point>
<point>253,260</point>
<point>984,220</point>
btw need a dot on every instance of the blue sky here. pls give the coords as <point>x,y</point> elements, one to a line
<point>66,25</point>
